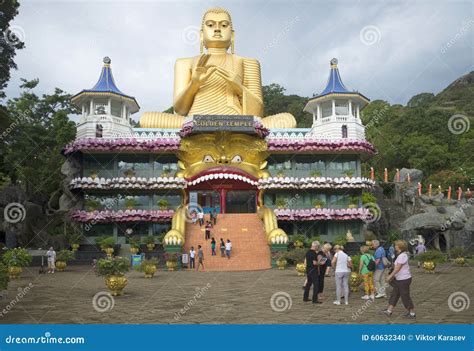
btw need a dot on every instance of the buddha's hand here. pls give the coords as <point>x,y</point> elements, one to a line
<point>201,73</point>
<point>234,79</point>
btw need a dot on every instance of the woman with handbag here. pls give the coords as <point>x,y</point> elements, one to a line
<point>342,265</point>
<point>400,280</point>
<point>324,261</point>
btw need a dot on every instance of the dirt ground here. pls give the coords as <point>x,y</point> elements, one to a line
<point>269,296</point>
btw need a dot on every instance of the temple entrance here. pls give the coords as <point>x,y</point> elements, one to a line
<point>241,201</point>
<point>208,200</point>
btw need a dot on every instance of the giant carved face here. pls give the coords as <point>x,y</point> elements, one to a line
<point>217,29</point>
<point>223,153</point>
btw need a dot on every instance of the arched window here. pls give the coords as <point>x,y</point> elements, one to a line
<point>344,131</point>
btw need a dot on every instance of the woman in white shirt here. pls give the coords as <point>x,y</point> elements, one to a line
<point>341,264</point>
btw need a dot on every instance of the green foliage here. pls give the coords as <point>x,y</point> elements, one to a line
<point>393,235</point>
<point>295,256</point>
<point>92,205</point>
<point>354,200</point>
<point>447,178</point>
<point>105,241</point>
<point>340,240</point>
<point>18,257</point>
<point>65,255</point>
<point>280,202</point>
<point>349,173</point>
<point>130,202</point>
<point>297,237</point>
<point>355,262</point>
<point>134,242</point>
<point>112,266</point>
<point>368,198</point>
<point>4,278</point>
<point>315,174</point>
<point>313,238</point>
<point>431,255</point>
<point>163,203</point>
<point>149,239</point>
<point>319,202</point>
<point>141,267</point>
<point>457,252</point>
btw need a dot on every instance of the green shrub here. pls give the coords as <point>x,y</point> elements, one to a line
<point>319,202</point>
<point>144,263</point>
<point>456,252</point>
<point>368,198</point>
<point>105,241</point>
<point>431,255</point>
<point>113,266</point>
<point>149,239</point>
<point>18,257</point>
<point>313,238</point>
<point>92,205</point>
<point>134,242</point>
<point>393,235</point>
<point>295,256</point>
<point>298,237</point>
<point>315,174</point>
<point>355,262</point>
<point>130,202</point>
<point>280,203</point>
<point>65,255</point>
<point>163,203</point>
<point>4,279</point>
<point>341,240</point>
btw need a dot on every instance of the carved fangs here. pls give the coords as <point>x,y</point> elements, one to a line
<point>223,176</point>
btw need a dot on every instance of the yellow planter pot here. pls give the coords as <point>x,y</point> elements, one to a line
<point>150,270</point>
<point>14,272</point>
<point>116,284</point>
<point>150,247</point>
<point>301,269</point>
<point>354,281</point>
<point>281,264</point>
<point>460,261</point>
<point>109,251</point>
<point>61,265</point>
<point>429,266</point>
<point>75,247</point>
<point>171,265</point>
<point>134,250</point>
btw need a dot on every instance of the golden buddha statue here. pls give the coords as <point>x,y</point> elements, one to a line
<point>216,82</point>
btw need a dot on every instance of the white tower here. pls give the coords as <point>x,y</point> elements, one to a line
<point>106,111</point>
<point>336,111</point>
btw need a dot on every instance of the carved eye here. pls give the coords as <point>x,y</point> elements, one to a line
<point>208,159</point>
<point>237,159</point>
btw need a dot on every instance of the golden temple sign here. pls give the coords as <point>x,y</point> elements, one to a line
<point>212,123</point>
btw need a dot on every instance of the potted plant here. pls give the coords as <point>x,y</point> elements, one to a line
<point>114,269</point>
<point>280,203</point>
<point>315,174</point>
<point>106,244</point>
<point>134,245</point>
<point>15,259</point>
<point>166,173</point>
<point>318,203</point>
<point>430,259</point>
<point>93,174</point>
<point>281,263</point>
<point>149,240</point>
<point>171,261</point>
<point>349,173</point>
<point>340,240</point>
<point>129,173</point>
<point>301,269</point>
<point>280,174</point>
<point>62,258</point>
<point>75,240</point>
<point>130,203</point>
<point>163,204</point>
<point>457,253</point>
<point>355,278</point>
<point>148,267</point>
<point>353,201</point>
<point>92,205</point>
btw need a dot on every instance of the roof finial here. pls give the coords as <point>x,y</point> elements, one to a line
<point>107,60</point>
<point>334,63</point>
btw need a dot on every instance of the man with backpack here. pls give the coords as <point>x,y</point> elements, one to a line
<point>381,263</point>
<point>366,270</point>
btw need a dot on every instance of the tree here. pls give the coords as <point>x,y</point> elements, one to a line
<point>39,129</point>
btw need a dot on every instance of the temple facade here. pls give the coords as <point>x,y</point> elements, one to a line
<point>135,180</point>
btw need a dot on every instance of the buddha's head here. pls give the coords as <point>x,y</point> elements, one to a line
<point>216,29</point>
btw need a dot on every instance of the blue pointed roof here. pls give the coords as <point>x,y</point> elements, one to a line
<point>106,84</point>
<point>335,84</point>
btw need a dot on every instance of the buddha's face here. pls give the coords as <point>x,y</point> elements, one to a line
<point>217,30</point>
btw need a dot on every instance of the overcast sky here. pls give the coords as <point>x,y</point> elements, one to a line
<point>387,50</point>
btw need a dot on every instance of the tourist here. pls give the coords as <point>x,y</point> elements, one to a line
<point>228,248</point>
<point>192,255</point>
<point>419,249</point>
<point>208,230</point>
<point>342,265</point>
<point>200,258</point>
<point>366,273</point>
<point>400,280</point>
<point>324,263</point>
<point>380,260</point>
<point>214,216</point>
<point>194,216</point>
<point>222,248</point>
<point>51,254</point>
<point>200,216</point>
<point>213,247</point>
<point>312,272</point>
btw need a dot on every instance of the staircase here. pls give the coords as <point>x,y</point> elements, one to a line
<point>250,250</point>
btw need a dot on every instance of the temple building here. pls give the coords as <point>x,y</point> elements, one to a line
<point>265,178</point>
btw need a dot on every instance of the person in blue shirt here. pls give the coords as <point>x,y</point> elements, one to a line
<point>380,258</point>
